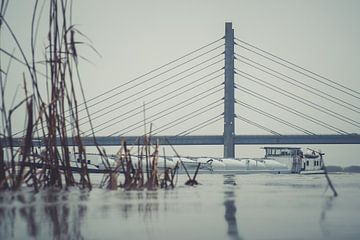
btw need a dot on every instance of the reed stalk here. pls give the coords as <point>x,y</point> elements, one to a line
<point>47,120</point>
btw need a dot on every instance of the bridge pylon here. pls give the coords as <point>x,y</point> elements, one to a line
<point>229,98</point>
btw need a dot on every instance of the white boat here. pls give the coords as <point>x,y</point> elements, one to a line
<point>249,165</point>
<point>276,160</point>
<point>294,158</point>
<point>226,165</point>
<point>97,162</point>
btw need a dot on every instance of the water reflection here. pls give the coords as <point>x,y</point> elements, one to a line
<point>328,205</point>
<point>230,208</point>
<point>7,222</point>
<point>26,215</point>
<point>145,203</point>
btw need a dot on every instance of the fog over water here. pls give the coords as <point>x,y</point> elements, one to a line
<point>135,37</point>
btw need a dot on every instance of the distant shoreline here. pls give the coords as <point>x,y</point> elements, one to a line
<point>349,169</point>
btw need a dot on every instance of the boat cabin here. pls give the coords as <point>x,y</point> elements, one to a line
<point>312,162</point>
<point>282,151</point>
<point>296,160</point>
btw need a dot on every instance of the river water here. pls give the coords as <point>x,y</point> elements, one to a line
<point>244,206</point>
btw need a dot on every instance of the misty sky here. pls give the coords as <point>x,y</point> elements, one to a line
<point>134,37</point>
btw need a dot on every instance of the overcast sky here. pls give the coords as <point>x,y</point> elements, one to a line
<point>134,37</point>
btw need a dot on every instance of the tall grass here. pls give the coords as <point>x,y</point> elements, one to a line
<point>133,173</point>
<point>45,115</point>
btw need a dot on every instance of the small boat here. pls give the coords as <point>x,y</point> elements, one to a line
<point>276,159</point>
<point>244,165</point>
<point>311,162</point>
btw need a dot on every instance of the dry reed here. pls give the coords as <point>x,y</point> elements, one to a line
<point>47,114</point>
<point>45,118</point>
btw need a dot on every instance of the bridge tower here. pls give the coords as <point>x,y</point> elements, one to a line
<point>229,99</point>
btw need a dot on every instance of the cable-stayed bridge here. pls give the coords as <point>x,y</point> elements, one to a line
<point>214,94</point>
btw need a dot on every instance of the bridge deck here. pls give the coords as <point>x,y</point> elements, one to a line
<point>238,140</point>
<point>218,140</point>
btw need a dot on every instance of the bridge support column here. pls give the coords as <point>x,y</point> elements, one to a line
<point>229,99</point>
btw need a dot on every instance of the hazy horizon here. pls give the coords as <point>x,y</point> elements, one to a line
<point>134,37</point>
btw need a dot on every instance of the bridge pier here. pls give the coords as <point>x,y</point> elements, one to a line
<point>229,99</point>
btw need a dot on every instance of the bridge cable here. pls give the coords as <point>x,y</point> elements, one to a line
<point>204,110</point>
<point>141,110</point>
<point>298,98</point>
<point>200,125</point>
<point>289,124</point>
<point>172,108</point>
<point>161,88</point>
<point>299,67</point>
<point>189,87</point>
<point>158,68</point>
<point>133,80</point>
<point>173,122</point>
<point>299,82</point>
<point>289,109</point>
<point>257,125</point>
<point>153,77</point>
<point>168,113</point>
<point>85,117</point>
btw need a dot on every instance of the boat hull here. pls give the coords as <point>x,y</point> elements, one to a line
<point>321,171</point>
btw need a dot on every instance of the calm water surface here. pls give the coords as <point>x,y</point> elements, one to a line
<point>252,206</point>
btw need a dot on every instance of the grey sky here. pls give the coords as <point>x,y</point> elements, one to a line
<point>134,37</point>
